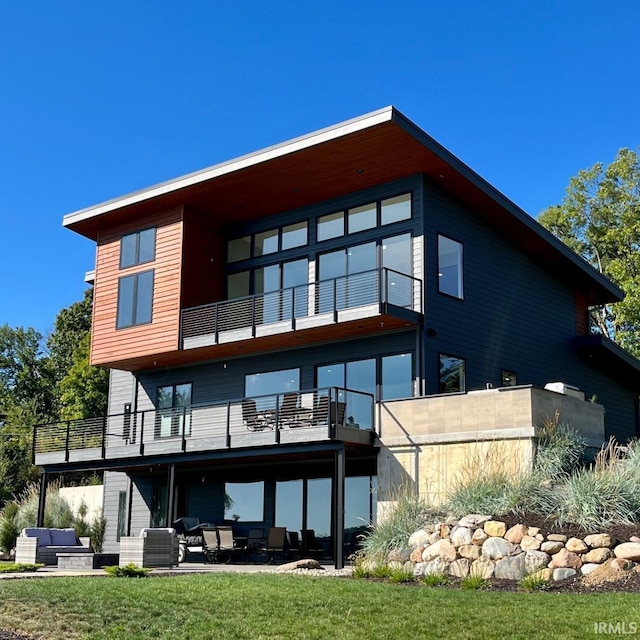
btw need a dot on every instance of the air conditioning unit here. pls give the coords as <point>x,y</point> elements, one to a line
<point>565,389</point>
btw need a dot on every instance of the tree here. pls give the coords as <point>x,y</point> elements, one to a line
<point>599,218</point>
<point>83,390</point>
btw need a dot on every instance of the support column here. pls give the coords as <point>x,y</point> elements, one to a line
<point>171,492</point>
<point>42,497</point>
<point>338,507</point>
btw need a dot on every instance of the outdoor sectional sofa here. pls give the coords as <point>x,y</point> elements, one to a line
<point>42,545</point>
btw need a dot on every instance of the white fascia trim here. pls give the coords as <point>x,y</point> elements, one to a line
<point>264,155</point>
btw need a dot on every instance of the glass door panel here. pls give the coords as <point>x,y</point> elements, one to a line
<point>295,278</point>
<point>363,288</point>
<point>331,266</point>
<point>397,376</point>
<point>361,376</point>
<point>267,283</point>
<point>319,510</point>
<point>397,255</point>
<point>165,411</point>
<point>289,505</point>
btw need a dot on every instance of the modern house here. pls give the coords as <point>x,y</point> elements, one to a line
<point>295,333</point>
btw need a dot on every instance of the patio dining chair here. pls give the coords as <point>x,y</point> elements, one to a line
<point>250,416</point>
<point>288,410</point>
<point>275,543</point>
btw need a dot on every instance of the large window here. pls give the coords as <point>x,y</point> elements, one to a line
<point>135,299</point>
<point>270,384</point>
<point>244,501</point>
<point>452,374</point>
<point>450,267</point>
<point>397,376</point>
<point>173,416</point>
<point>137,248</point>
<point>265,242</point>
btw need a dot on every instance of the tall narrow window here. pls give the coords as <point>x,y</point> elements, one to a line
<point>135,299</point>
<point>450,267</point>
<point>174,415</point>
<point>452,374</point>
<point>137,248</point>
<point>122,515</point>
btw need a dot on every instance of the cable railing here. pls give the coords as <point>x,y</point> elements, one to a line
<point>293,304</point>
<point>259,420</point>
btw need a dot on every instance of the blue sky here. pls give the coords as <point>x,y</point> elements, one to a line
<point>98,101</point>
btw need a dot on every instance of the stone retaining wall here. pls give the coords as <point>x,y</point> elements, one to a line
<point>479,545</point>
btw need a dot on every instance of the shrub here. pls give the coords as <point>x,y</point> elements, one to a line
<point>57,510</point>
<point>473,582</point>
<point>81,526</point>
<point>534,582</point>
<point>19,568</point>
<point>8,528</point>
<point>128,571</point>
<point>434,579</point>
<point>408,514</point>
<point>97,531</point>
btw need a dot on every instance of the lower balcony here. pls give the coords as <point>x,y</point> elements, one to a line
<point>298,417</point>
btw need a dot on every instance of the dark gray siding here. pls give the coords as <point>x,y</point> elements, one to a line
<point>516,315</point>
<point>114,483</point>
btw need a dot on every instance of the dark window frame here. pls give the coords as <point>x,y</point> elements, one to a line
<point>442,354</point>
<point>136,260</point>
<point>172,410</point>
<point>134,300</point>
<point>462,287</point>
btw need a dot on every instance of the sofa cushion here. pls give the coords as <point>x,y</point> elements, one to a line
<point>63,538</point>
<point>43,535</point>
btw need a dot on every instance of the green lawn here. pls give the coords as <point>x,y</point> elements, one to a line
<point>256,607</point>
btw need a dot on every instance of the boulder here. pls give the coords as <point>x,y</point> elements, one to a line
<point>482,567</point>
<point>479,536</point>
<point>565,559</point>
<point>533,531</point>
<point>634,539</point>
<point>416,554</point>
<point>557,537</point>
<point>495,528</point>
<point>434,537</point>
<point>444,530</point>
<point>597,540</point>
<point>535,560</point>
<point>543,574</point>
<point>452,521</point>
<point>461,536</point>
<point>473,520</point>
<point>551,547</point>
<point>469,551</point>
<point>437,565</point>
<point>460,568</point>
<point>586,569</point>
<point>529,543</point>
<point>515,534</point>
<point>442,549</point>
<point>628,551</point>
<point>307,563</point>
<point>418,538</point>
<point>622,564</point>
<point>511,568</point>
<point>597,556</point>
<point>576,545</point>
<point>496,548</point>
<point>563,573</point>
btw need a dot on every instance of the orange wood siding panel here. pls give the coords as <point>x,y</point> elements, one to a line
<point>203,263</point>
<point>582,314</point>
<point>110,345</point>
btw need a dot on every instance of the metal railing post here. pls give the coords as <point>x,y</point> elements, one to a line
<point>184,426</point>
<point>228,424</point>
<point>104,437</point>
<point>66,443</point>
<point>335,299</point>
<point>142,434</point>
<point>33,444</point>
<point>277,424</point>
<point>253,316</point>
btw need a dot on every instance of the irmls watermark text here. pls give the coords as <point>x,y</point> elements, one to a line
<point>615,628</point>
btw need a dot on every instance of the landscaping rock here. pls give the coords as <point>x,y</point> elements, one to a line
<point>622,564</point>
<point>565,559</point>
<point>418,538</point>
<point>628,551</point>
<point>482,567</point>
<point>515,534</point>
<point>496,548</point>
<point>307,563</point>
<point>479,536</point>
<point>416,554</point>
<point>444,531</point>
<point>586,569</point>
<point>460,568</point>
<point>551,547</point>
<point>543,574</point>
<point>511,568</point>
<point>495,528</point>
<point>473,520</point>
<point>535,560</point>
<point>442,549</point>
<point>576,545</point>
<point>529,543</point>
<point>437,565</point>
<point>461,536</point>
<point>597,556</point>
<point>469,551</point>
<point>598,540</point>
<point>634,539</point>
<point>533,531</point>
<point>563,574</point>
<point>557,537</point>
<point>434,537</point>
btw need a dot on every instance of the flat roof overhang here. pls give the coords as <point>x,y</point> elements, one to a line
<point>373,149</point>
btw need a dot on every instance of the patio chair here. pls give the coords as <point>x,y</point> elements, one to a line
<point>252,419</point>
<point>275,543</point>
<point>337,413</point>
<point>155,547</point>
<point>218,544</point>
<point>309,542</point>
<point>321,411</point>
<point>294,543</point>
<point>288,410</point>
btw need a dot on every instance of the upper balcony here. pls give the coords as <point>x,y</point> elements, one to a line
<point>135,438</point>
<point>366,302</point>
